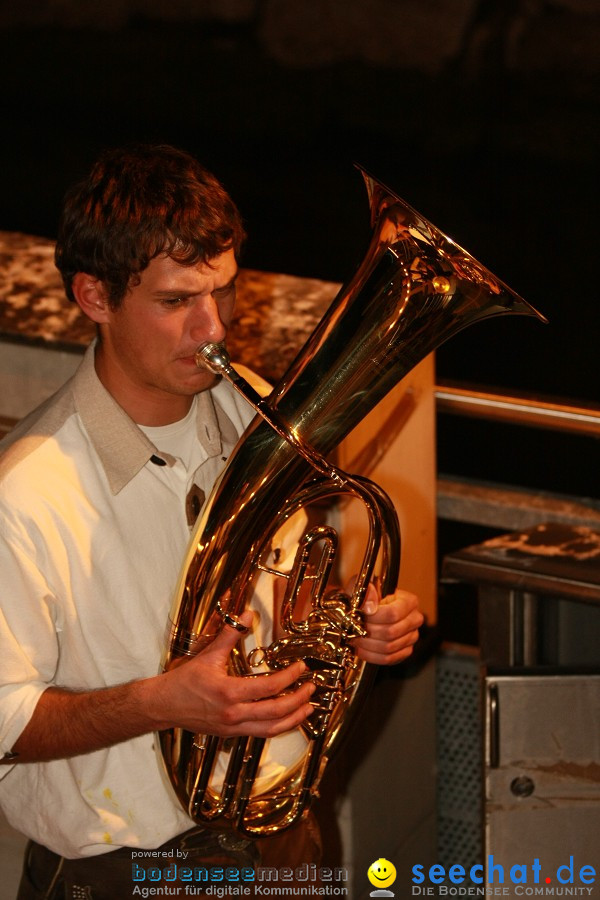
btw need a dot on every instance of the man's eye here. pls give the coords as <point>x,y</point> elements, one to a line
<point>224,292</point>
<point>173,301</point>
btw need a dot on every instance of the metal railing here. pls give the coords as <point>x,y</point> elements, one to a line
<point>518,410</point>
<point>503,506</point>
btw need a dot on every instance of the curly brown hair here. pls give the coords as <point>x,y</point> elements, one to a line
<point>136,203</point>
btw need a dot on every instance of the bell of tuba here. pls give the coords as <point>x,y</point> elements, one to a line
<point>414,289</point>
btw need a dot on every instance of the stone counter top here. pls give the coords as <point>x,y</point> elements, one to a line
<point>275,313</point>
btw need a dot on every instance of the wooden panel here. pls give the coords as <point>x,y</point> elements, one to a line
<point>395,446</point>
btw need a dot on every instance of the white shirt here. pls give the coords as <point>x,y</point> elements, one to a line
<point>94,531</point>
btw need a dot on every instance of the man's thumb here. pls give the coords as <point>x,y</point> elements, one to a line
<point>233,629</point>
<point>371,602</point>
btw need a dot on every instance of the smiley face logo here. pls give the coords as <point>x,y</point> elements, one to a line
<point>382,873</point>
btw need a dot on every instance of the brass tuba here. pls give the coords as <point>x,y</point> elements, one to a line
<point>414,289</point>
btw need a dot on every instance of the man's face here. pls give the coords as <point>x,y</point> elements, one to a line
<point>146,358</point>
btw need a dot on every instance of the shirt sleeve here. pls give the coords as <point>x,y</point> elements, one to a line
<point>28,638</point>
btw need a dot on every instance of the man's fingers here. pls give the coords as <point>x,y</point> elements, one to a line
<point>384,659</point>
<point>387,644</point>
<point>272,715</point>
<point>274,727</point>
<point>394,608</point>
<point>395,627</point>
<point>283,705</point>
<point>253,688</point>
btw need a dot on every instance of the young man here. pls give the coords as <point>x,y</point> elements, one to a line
<point>95,491</point>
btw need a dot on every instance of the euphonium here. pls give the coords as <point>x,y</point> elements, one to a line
<point>414,290</point>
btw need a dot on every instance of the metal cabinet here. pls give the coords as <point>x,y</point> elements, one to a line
<point>539,642</point>
<point>542,774</point>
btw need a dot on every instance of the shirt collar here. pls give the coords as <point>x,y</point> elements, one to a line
<point>122,447</point>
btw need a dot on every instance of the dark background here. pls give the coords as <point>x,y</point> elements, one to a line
<point>480,113</point>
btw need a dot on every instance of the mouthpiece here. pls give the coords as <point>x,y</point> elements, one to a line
<point>214,357</point>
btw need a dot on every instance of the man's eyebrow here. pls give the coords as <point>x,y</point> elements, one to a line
<point>174,293</point>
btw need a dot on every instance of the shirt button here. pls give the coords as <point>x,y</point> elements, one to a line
<point>194,503</point>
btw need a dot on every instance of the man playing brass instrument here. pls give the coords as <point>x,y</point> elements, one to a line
<point>98,487</point>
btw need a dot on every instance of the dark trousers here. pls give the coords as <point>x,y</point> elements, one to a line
<point>110,876</point>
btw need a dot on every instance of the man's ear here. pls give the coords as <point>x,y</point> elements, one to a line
<point>90,295</point>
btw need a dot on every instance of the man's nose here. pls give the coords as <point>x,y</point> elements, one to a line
<point>206,323</point>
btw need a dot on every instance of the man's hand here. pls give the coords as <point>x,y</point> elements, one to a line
<point>200,696</point>
<point>392,625</point>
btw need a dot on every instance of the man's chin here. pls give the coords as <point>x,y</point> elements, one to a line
<point>203,381</point>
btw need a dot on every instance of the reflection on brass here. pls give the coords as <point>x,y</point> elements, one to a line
<point>441,284</point>
<point>414,289</point>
